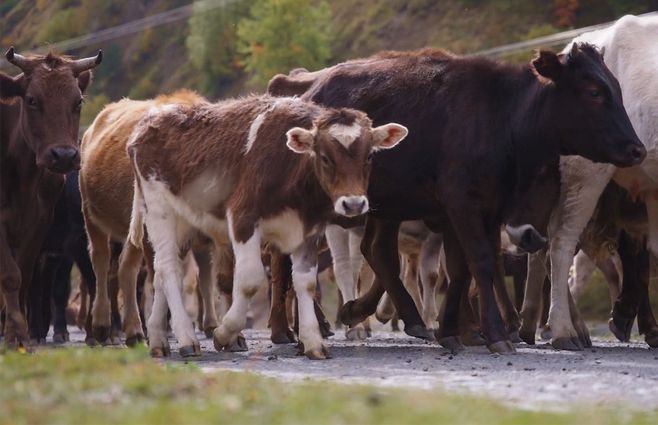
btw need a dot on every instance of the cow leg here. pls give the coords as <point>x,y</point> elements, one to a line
<point>304,280</point>
<point>510,315</point>
<point>429,275</point>
<point>281,269</point>
<point>381,252</point>
<point>583,267</point>
<point>61,291</point>
<point>81,317</point>
<point>38,312</point>
<point>460,280</point>
<point>157,321</point>
<point>646,321</point>
<point>356,311</point>
<point>249,276</point>
<point>130,262</point>
<point>385,309</point>
<point>612,271</point>
<point>87,287</point>
<point>99,249</point>
<point>115,315</point>
<point>166,232</point>
<point>576,206</point>
<point>532,299</point>
<point>347,260</point>
<point>207,284</point>
<point>16,331</point>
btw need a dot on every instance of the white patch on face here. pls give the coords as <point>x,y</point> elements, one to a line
<point>351,206</point>
<point>286,230</point>
<point>345,134</point>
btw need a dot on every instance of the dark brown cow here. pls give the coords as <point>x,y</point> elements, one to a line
<point>229,165</point>
<point>39,118</point>
<point>481,132</point>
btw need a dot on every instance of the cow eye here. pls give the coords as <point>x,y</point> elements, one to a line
<point>31,101</point>
<point>595,93</point>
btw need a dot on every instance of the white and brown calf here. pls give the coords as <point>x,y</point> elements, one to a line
<point>252,170</point>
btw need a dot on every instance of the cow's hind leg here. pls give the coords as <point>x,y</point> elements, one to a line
<point>61,291</point>
<point>207,282</point>
<point>16,331</point>
<point>130,262</point>
<point>99,249</point>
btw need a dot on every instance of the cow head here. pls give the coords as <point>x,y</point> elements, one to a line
<point>50,90</point>
<point>341,144</point>
<point>588,113</point>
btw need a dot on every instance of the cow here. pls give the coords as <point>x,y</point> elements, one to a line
<point>482,131</point>
<point>630,53</point>
<point>106,186</point>
<point>40,117</point>
<point>262,169</point>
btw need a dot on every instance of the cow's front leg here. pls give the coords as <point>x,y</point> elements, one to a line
<point>532,300</point>
<point>16,333</point>
<point>304,280</point>
<point>249,276</point>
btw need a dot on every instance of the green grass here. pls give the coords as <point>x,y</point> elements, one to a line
<point>125,386</point>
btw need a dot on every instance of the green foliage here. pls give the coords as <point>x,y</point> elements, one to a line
<point>93,105</point>
<point>284,34</point>
<point>212,42</point>
<point>63,24</point>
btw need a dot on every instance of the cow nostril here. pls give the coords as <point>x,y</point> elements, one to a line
<point>637,153</point>
<point>362,205</point>
<point>64,153</point>
<point>346,205</point>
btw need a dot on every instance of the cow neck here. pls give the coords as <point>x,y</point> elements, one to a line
<point>534,138</point>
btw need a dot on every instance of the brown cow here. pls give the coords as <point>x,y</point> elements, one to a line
<point>106,186</point>
<point>40,117</point>
<point>228,164</point>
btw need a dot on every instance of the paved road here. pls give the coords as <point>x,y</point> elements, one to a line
<point>536,377</point>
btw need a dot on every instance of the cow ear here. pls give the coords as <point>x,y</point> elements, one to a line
<point>11,87</point>
<point>84,79</point>
<point>548,65</point>
<point>388,135</point>
<point>301,140</point>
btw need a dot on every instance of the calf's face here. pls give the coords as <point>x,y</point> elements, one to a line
<point>341,144</point>
<point>50,90</point>
<point>588,112</point>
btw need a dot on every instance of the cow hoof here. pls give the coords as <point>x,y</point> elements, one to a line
<point>567,343</point>
<point>134,340</point>
<point>419,331</point>
<point>452,343</point>
<point>382,318</point>
<point>356,334</point>
<point>114,340</point>
<point>159,352</point>
<point>347,316</point>
<point>546,334</point>
<point>318,354</point>
<point>239,345</point>
<point>502,347</point>
<point>585,340</point>
<point>193,350</point>
<point>91,341</point>
<point>515,337</point>
<point>325,329</point>
<point>623,335</point>
<point>472,339</point>
<point>208,331</point>
<point>527,336</point>
<point>101,333</point>
<point>283,337</point>
<point>61,337</point>
<point>651,338</point>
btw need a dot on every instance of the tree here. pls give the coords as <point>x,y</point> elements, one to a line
<point>212,42</point>
<point>284,34</point>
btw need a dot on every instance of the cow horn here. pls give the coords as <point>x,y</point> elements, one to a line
<point>19,60</point>
<point>80,65</point>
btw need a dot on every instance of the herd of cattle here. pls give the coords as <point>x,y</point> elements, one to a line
<point>437,169</point>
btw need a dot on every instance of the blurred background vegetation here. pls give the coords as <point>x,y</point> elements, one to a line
<point>236,48</point>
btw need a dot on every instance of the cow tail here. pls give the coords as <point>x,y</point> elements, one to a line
<point>136,231</point>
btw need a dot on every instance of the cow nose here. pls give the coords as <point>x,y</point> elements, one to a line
<point>64,158</point>
<point>637,153</point>
<point>351,205</point>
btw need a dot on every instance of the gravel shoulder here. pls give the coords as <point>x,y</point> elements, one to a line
<point>537,377</point>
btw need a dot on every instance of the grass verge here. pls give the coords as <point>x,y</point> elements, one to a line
<point>99,386</point>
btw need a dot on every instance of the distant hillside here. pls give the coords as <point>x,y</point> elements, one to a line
<point>156,60</point>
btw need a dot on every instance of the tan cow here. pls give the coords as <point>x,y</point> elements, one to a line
<point>261,169</point>
<point>106,185</point>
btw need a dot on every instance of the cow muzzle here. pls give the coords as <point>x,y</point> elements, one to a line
<point>526,237</point>
<point>351,206</point>
<point>62,159</point>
